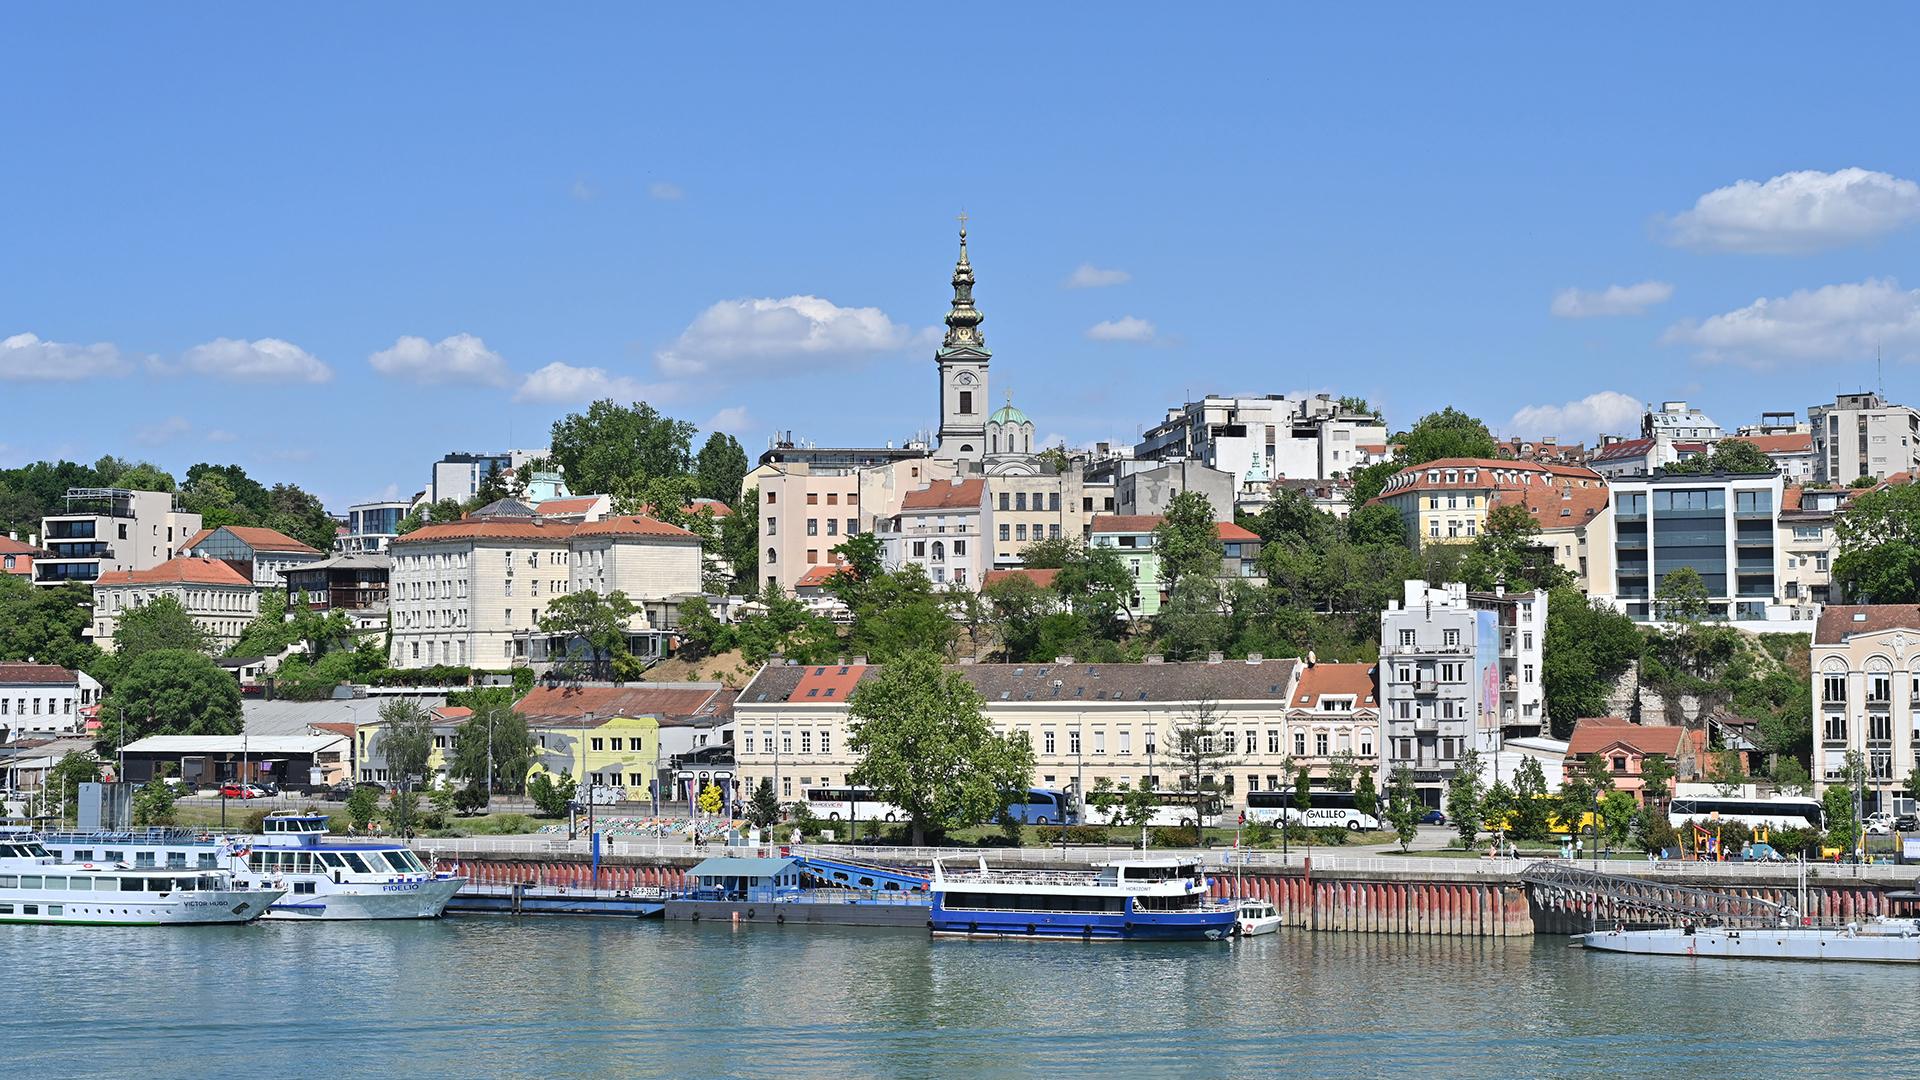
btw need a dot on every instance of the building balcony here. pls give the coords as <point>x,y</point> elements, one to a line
<point>1426,687</point>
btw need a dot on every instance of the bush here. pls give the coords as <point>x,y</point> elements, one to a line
<point>1260,834</point>
<point>500,825</point>
<point>470,800</point>
<point>1791,842</point>
<point>1175,836</point>
<point>1657,833</point>
<point>1333,837</point>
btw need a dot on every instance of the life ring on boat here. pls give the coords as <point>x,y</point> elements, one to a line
<point>781,918</point>
<point>749,913</point>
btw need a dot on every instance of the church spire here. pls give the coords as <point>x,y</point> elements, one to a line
<point>963,321</point>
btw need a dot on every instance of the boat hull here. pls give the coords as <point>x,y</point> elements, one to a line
<point>1136,926</point>
<point>82,909</point>
<point>1784,943</point>
<point>405,900</point>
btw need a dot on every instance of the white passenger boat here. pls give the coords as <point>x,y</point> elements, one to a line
<point>1135,899</point>
<point>361,879</point>
<point>1880,941</point>
<point>1257,917</point>
<point>34,888</point>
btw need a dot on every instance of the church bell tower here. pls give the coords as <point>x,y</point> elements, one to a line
<point>962,359</point>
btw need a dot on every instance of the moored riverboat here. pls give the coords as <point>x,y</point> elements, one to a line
<point>1879,941</point>
<point>35,888</point>
<point>1129,899</point>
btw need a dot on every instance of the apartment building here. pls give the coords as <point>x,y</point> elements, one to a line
<point>371,526</point>
<point>44,699</point>
<point>1520,621</point>
<point>1725,528</point>
<point>220,598</point>
<point>1021,508</point>
<point>16,555</point>
<point>1441,679</point>
<point>1866,696</point>
<point>458,475</point>
<point>1792,453</point>
<point>110,530</point>
<point>1333,718</point>
<point>940,529</point>
<point>1808,545</point>
<point>1142,488</point>
<point>1860,435</point>
<point>1132,536</point>
<point>1085,722</point>
<point>1447,502</point>
<point>808,507</point>
<point>1265,438</point>
<point>264,555</point>
<point>472,593</point>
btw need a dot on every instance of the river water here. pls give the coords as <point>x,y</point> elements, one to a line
<point>590,998</point>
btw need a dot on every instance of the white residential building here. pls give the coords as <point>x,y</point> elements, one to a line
<point>938,529</point>
<point>1862,435</point>
<point>105,530</point>
<point>1866,696</point>
<point>220,599</point>
<point>371,526</point>
<point>1262,439</point>
<point>44,699</point>
<point>458,475</point>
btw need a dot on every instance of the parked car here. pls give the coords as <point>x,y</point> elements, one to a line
<point>1906,822</point>
<point>241,791</point>
<point>339,792</point>
<point>1433,817</point>
<point>1880,823</point>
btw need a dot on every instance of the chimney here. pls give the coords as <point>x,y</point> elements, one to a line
<point>1063,659</point>
<point>1156,658</point>
<point>860,660</point>
<point>1255,658</point>
<point>1214,658</point>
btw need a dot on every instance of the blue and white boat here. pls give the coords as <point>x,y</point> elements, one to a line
<point>1164,899</point>
<point>36,889</point>
<point>361,879</point>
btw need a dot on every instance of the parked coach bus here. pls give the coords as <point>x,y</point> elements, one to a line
<point>1325,810</point>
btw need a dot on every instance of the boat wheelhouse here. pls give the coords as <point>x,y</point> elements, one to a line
<point>366,879</point>
<point>1138,899</point>
<point>34,888</point>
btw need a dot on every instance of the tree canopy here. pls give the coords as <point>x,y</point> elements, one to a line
<point>613,448</point>
<point>46,623</point>
<point>926,747</point>
<point>1588,646</point>
<point>1448,433</point>
<point>593,627</point>
<point>405,738</point>
<point>1727,456</point>
<point>1879,533</point>
<point>720,467</point>
<point>160,623</point>
<point>169,692</point>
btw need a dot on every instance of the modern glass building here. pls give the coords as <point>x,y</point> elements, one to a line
<point>1721,527</point>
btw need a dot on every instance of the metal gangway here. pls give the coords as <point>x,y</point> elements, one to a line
<point>846,873</point>
<point>1574,890</point>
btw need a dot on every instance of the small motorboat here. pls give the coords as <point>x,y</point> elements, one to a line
<point>1257,917</point>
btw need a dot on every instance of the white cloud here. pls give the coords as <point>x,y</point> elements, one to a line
<point>1612,300</point>
<point>1125,328</point>
<point>461,358</point>
<point>1833,322</point>
<point>265,360</point>
<point>758,336</point>
<point>1089,276</point>
<point>163,432</point>
<point>560,383</point>
<point>26,358</point>
<point>1608,411</point>
<point>733,420</point>
<point>221,435</point>
<point>1798,212</point>
<point>664,191</point>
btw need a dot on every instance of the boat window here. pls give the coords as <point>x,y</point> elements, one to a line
<point>29,909</point>
<point>56,883</point>
<point>394,860</point>
<point>30,882</point>
<point>333,860</point>
<point>82,855</point>
<point>130,884</point>
<point>6,909</point>
<point>38,852</point>
<point>79,884</point>
<point>8,881</point>
<point>210,883</point>
<point>353,860</point>
<point>55,909</point>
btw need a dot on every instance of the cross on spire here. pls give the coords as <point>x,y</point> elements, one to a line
<point>962,219</point>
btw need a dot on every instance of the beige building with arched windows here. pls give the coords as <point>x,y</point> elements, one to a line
<point>1866,696</point>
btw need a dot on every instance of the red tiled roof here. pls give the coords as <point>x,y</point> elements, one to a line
<point>337,727</point>
<point>452,712</point>
<point>1838,621</point>
<point>10,546</point>
<point>36,674</point>
<point>1337,679</point>
<point>829,682</point>
<point>578,504</point>
<point>554,532</point>
<point>1372,448</point>
<point>255,537</point>
<point>1042,578</point>
<point>1800,443</point>
<point>1546,502</point>
<point>1626,448</point>
<point>949,495</point>
<point>1595,734</point>
<point>818,575</point>
<point>633,525</point>
<point>1126,523</point>
<point>1540,485</point>
<point>185,570</point>
<point>714,506</point>
<point>588,706</point>
<point>1227,530</point>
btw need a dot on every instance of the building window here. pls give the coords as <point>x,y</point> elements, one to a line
<point>1834,689</point>
<point>599,744</point>
<point>966,402</point>
<point>1299,744</point>
<point>1836,727</point>
<point>1126,741</point>
<point>1320,744</point>
<point>806,741</point>
<point>1046,741</point>
<point>1005,532</point>
<point>813,526</point>
<point>1451,639</point>
<point>1273,741</point>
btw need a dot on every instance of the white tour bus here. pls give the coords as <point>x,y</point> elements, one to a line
<point>851,804</point>
<point>1170,808</point>
<point>1325,810</point>
<point>1778,812</point>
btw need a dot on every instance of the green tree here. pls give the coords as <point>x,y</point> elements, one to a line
<point>898,612</point>
<point>1365,798</point>
<point>1879,539</point>
<point>1532,806</point>
<point>1683,595</point>
<point>169,692</point>
<point>1376,525</point>
<point>721,466</point>
<point>700,634</point>
<point>593,628</point>
<point>494,744</point>
<point>1843,822</point>
<point>551,795</point>
<point>1302,792</point>
<point>403,811</point>
<point>1190,625</point>
<point>1728,772</point>
<point>739,544</point>
<point>612,447</point>
<point>405,739</point>
<point>1587,647</point>
<point>784,627</point>
<point>153,803</point>
<point>926,747</point>
<point>1448,433</point>
<point>1656,778</point>
<point>361,806</point>
<point>1403,806</point>
<point>1187,540</point>
<point>1728,456</point>
<point>1498,806</point>
<point>1341,770</point>
<point>1617,810</point>
<point>1507,552</point>
<point>160,623</point>
<point>444,512</point>
<point>46,623</point>
<point>1202,748</point>
<point>1465,790</point>
<point>764,808</point>
<point>62,784</point>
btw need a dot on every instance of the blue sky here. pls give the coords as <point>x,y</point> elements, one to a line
<point>221,223</point>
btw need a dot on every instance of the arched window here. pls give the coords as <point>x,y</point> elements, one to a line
<point>966,448</point>
<point>993,442</point>
<point>939,551</point>
<point>772,557</point>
